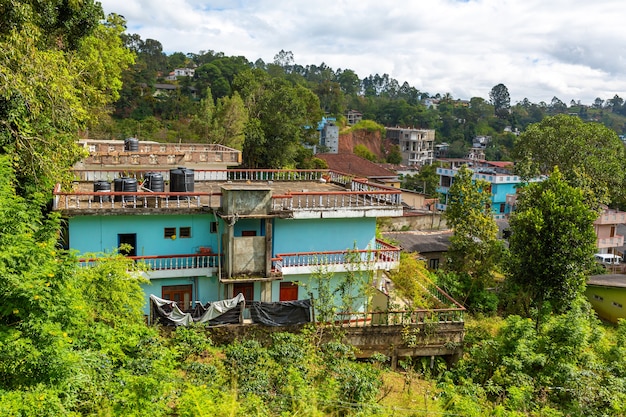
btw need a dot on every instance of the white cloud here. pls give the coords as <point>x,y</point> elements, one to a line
<point>568,49</point>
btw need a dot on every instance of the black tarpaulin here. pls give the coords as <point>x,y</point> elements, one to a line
<point>281,313</point>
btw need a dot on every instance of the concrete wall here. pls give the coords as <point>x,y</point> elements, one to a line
<point>249,255</point>
<point>426,221</point>
<point>243,200</point>
<point>609,303</point>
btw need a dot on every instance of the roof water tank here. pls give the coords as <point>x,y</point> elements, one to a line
<point>131,144</point>
<point>181,180</point>
<point>125,184</point>
<point>102,186</point>
<point>153,181</point>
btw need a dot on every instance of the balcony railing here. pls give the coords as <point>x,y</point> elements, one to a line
<point>169,262</point>
<point>611,242</point>
<point>335,200</point>
<point>384,256</point>
<point>139,199</point>
<point>612,217</point>
<point>447,310</point>
<point>400,318</point>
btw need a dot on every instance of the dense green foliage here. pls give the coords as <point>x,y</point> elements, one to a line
<point>181,113</point>
<point>588,155</point>
<point>60,67</point>
<point>475,252</point>
<point>571,367</point>
<point>552,244</point>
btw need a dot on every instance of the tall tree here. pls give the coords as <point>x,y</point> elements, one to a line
<point>474,252</point>
<point>280,119</point>
<point>48,92</point>
<point>501,100</point>
<point>552,243</point>
<point>588,155</point>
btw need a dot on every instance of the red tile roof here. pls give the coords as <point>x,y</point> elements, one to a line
<point>352,164</point>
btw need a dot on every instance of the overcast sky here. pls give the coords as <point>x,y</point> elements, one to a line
<point>571,49</point>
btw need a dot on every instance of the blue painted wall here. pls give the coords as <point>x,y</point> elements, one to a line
<point>100,233</point>
<point>310,235</point>
<point>499,192</point>
<point>257,225</point>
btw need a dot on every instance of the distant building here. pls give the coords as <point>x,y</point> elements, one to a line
<point>329,135</point>
<point>502,182</point>
<point>180,72</point>
<point>416,145</point>
<point>353,117</point>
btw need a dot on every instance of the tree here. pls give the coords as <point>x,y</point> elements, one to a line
<point>280,119</point>
<point>474,252</point>
<point>49,92</point>
<point>552,243</point>
<point>588,155</point>
<point>501,100</point>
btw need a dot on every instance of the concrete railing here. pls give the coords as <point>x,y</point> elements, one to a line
<point>387,256</point>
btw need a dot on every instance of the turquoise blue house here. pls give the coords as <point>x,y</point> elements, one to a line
<point>269,235</point>
<point>502,181</point>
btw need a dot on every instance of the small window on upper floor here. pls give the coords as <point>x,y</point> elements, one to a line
<point>213,227</point>
<point>184,232</point>
<point>168,232</point>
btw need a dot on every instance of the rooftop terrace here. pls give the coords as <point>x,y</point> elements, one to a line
<point>307,192</point>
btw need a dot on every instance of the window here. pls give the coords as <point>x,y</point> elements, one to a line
<point>168,232</point>
<point>181,294</point>
<point>618,305</point>
<point>213,227</point>
<point>502,207</point>
<point>433,263</point>
<point>248,233</point>
<point>597,297</point>
<point>184,232</point>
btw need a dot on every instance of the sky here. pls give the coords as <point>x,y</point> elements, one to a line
<point>569,49</point>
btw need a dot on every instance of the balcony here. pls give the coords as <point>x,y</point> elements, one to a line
<point>173,266</point>
<point>611,217</point>
<point>383,257</point>
<point>611,242</point>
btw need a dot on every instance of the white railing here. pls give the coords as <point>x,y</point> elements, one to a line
<point>386,255</point>
<point>124,200</point>
<point>169,262</point>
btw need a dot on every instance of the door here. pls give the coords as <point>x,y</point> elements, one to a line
<point>246,288</point>
<point>288,291</point>
<point>179,293</point>
<point>127,239</point>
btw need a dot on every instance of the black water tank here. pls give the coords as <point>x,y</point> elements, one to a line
<point>127,185</point>
<point>153,181</point>
<point>102,186</point>
<point>181,180</point>
<point>131,144</point>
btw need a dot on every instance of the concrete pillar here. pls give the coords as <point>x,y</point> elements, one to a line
<point>268,247</point>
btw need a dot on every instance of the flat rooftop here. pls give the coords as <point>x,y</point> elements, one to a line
<point>291,190</point>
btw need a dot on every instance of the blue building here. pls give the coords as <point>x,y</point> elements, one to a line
<point>269,235</point>
<point>503,183</point>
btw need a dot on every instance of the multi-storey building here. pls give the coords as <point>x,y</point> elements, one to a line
<point>502,182</point>
<point>216,233</point>
<point>605,226</point>
<point>329,135</point>
<point>416,145</point>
